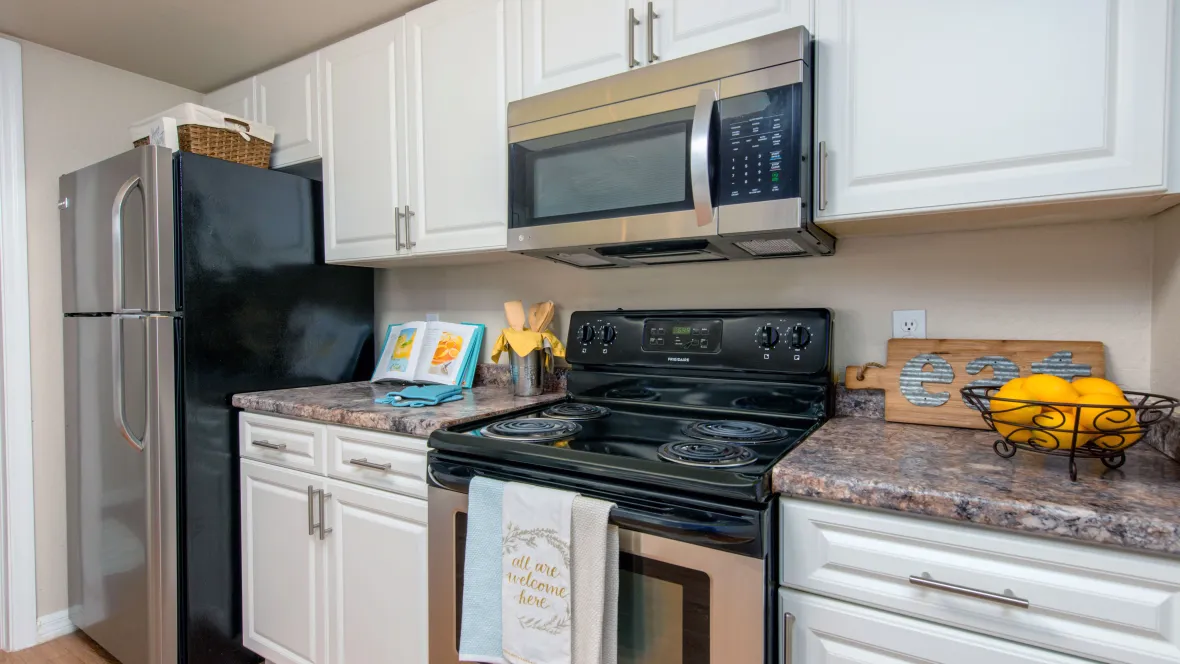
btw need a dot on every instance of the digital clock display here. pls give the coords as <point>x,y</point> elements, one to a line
<point>682,330</point>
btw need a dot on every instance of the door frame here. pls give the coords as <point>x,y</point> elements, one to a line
<point>18,559</point>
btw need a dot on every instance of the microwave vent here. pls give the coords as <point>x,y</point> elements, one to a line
<point>773,248</point>
<point>582,260</point>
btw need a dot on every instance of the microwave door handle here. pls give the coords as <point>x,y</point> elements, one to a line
<point>702,120</point>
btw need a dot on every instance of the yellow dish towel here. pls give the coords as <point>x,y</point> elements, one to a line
<point>526,341</point>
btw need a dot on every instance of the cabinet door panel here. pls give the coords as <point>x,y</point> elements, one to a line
<point>288,100</point>
<point>364,157</point>
<point>283,584</point>
<point>236,99</point>
<point>932,104</point>
<point>826,631</point>
<point>685,27</point>
<point>459,89</point>
<point>377,562</point>
<point>567,42</point>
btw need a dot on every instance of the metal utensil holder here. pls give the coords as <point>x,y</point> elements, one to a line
<point>528,373</point>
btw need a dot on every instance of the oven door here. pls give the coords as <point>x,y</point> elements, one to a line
<point>679,603</point>
<point>634,171</point>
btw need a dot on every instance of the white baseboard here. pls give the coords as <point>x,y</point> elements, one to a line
<point>52,626</point>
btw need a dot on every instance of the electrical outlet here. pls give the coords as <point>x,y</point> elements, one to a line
<point>909,324</point>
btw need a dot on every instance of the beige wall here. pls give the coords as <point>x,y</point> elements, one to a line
<point>1165,328</point>
<point>77,112</point>
<point>1080,282</point>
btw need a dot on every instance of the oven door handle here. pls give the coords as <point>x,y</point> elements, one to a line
<point>685,530</point>
<point>699,150</point>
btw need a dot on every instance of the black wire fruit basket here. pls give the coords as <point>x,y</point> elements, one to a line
<point>1070,430</point>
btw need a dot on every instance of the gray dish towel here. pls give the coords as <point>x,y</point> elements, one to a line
<point>595,595</point>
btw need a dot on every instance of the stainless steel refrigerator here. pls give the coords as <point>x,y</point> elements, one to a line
<point>185,280</point>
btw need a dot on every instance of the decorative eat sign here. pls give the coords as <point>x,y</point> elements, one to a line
<point>922,377</point>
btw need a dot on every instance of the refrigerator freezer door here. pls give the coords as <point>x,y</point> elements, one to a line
<point>121,507</point>
<point>119,221</point>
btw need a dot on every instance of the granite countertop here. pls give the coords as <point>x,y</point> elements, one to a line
<point>955,474</point>
<point>351,404</point>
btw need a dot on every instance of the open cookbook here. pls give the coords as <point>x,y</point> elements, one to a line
<point>430,352</point>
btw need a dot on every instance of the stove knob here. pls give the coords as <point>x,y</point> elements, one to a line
<point>586,333</point>
<point>800,337</point>
<point>767,336</point>
<point>608,334</point>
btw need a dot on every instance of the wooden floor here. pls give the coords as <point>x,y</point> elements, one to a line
<point>72,649</point>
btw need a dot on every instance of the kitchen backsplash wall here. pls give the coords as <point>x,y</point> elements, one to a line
<point>1165,327</point>
<point>1081,281</point>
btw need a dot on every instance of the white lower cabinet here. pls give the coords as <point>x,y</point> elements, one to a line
<point>332,572</point>
<point>818,630</point>
<point>377,577</point>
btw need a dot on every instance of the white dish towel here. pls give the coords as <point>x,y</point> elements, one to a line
<point>590,524</point>
<point>537,585</point>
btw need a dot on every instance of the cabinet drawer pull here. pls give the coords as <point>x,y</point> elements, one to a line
<point>269,445</point>
<point>1008,598</point>
<point>365,463</point>
<point>311,525</point>
<point>631,23</point>
<point>788,637</point>
<point>651,30</point>
<point>324,529</point>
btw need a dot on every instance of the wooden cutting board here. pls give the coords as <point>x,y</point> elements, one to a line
<point>922,377</point>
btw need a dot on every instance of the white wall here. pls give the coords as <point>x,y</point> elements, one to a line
<point>1077,282</point>
<point>77,112</point>
<point>1165,327</point>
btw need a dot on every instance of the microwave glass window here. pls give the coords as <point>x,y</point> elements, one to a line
<point>627,168</point>
<point>760,146</point>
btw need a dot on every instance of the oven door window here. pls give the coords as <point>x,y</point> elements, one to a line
<point>664,609</point>
<point>623,169</point>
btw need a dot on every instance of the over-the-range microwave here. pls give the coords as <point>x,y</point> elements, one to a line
<point>703,158</point>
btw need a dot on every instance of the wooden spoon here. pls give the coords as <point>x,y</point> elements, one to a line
<point>545,317</point>
<point>535,316</point>
<point>514,311</point>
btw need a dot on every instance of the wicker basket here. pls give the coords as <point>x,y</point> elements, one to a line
<point>224,144</point>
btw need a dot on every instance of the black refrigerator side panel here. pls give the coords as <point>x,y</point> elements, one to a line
<point>261,311</point>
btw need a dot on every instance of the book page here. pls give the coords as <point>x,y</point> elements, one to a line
<point>444,349</point>
<point>399,357</point>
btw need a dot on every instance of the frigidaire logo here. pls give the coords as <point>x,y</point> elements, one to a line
<point>678,359</point>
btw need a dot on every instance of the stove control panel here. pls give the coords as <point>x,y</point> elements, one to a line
<point>772,340</point>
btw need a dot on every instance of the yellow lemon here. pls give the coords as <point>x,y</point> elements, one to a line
<point>1015,382</point>
<point>1060,438</point>
<point>1091,385</point>
<point>1046,387</point>
<point>1104,414</point>
<point>1010,412</point>
<point>1115,440</point>
<point>1012,433</point>
<point>1054,417</point>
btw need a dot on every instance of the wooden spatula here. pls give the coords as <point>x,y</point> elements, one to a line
<point>545,316</point>
<point>514,311</point>
<point>535,316</point>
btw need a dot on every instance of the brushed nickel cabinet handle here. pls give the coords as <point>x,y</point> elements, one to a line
<point>651,41</point>
<point>823,175</point>
<point>311,510</point>
<point>631,23</point>
<point>365,463</point>
<point>324,530</point>
<point>1008,598</point>
<point>397,228</point>
<point>407,215</point>
<point>788,637</point>
<point>269,445</point>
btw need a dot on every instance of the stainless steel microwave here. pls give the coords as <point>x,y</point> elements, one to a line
<point>703,158</point>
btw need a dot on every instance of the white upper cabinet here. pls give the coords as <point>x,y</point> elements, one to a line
<point>944,104</point>
<point>288,100</point>
<point>567,42</point>
<point>364,164</point>
<point>684,27</point>
<point>236,99</point>
<point>459,83</point>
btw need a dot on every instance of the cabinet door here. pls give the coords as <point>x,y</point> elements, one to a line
<point>826,631</point>
<point>283,581</point>
<point>288,100</point>
<point>236,99</point>
<point>459,88</point>
<point>684,27</point>
<point>566,42</point>
<point>377,577</point>
<point>364,146</point>
<point>928,104</point>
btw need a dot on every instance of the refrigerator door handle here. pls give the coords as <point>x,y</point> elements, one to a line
<point>117,242</point>
<point>117,374</point>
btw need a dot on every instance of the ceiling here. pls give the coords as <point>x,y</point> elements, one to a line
<point>201,45</point>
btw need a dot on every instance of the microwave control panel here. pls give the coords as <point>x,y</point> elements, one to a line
<point>760,146</point>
